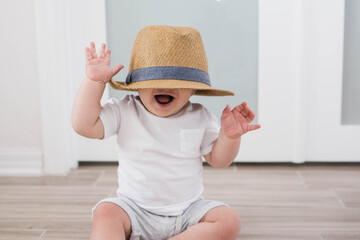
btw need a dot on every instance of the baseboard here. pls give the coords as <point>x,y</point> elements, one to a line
<point>20,161</point>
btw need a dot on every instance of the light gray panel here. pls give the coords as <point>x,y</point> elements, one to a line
<point>351,72</point>
<point>229,29</point>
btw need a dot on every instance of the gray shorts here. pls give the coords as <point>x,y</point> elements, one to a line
<point>146,225</point>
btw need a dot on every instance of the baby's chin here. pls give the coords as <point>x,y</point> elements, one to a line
<point>163,114</point>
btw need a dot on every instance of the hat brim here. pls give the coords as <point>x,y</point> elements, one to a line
<point>201,89</point>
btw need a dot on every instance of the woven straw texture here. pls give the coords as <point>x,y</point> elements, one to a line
<point>156,46</point>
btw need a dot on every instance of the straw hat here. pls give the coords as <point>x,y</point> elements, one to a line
<point>165,57</point>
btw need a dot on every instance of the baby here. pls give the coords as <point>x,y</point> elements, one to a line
<point>161,138</point>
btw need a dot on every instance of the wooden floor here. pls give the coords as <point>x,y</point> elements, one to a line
<point>320,202</point>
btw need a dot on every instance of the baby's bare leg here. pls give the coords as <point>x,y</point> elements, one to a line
<point>218,223</point>
<point>110,222</point>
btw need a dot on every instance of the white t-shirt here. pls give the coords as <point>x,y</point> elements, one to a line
<point>160,164</point>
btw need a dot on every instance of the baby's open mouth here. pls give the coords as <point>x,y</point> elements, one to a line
<point>163,99</point>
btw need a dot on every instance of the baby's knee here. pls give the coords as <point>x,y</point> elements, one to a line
<point>230,225</point>
<point>104,211</point>
<point>110,221</point>
<point>111,212</point>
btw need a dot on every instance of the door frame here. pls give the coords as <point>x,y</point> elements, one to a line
<point>63,29</point>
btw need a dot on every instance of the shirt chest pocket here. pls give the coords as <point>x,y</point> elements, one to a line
<point>190,141</point>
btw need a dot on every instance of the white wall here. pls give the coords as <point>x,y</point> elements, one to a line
<point>42,65</point>
<point>20,125</point>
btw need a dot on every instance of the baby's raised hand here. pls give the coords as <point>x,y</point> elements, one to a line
<point>236,122</point>
<point>98,64</point>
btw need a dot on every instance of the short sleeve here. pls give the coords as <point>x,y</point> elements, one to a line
<point>110,117</point>
<point>211,132</point>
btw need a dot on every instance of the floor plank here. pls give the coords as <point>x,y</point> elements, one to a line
<point>66,235</point>
<point>20,234</point>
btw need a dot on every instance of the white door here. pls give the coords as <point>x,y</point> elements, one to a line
<point>333,76</point>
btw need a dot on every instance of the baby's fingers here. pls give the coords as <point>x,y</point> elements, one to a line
<point>88,55</point>
<point>102,50</point>
<point>93,50</point>
<point>117,68</point>
<point>226,112</point>
<point>251,115</point>
<point>241,107</point>
<point>253,127</point>
<point>245,111</point>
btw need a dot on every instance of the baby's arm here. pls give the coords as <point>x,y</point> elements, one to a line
<point>234,124</point>
<point>86,109</point>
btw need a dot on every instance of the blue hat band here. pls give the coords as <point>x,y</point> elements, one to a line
<point>168,72</point>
